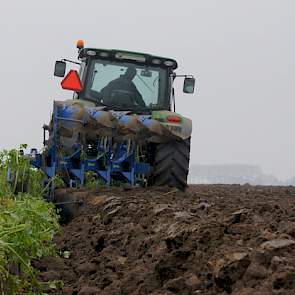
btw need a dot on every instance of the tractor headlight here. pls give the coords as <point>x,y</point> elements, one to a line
<point>104,54</point>
<point>156,61</point>
<point>91,52</point>
<point>169,63</point>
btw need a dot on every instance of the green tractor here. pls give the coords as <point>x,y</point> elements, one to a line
<point>121,125</point>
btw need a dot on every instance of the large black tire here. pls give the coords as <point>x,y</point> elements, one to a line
<point>171,164</point>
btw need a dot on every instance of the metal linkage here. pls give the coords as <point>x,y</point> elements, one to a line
<point>125,164</point>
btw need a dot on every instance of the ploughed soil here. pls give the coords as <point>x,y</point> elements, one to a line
<point>212,239</point>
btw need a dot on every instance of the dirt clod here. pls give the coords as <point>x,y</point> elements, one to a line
<point>88,291</point>
<point>277,244</point>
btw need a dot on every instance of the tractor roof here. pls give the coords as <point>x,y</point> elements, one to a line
<point>123,55</point>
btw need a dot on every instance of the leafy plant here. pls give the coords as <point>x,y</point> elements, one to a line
<point>27,224</point>
<point>93,182</point>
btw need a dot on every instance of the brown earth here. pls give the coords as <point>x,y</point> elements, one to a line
<point>213,239</point>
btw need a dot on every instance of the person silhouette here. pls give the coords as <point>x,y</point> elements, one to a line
<point>122,91</point>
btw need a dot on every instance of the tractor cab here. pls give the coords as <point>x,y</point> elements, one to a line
<point>122,80</point>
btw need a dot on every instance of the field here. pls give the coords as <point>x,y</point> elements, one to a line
<point>212,239</point>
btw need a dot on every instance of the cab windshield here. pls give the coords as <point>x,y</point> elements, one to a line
<point>127,86</point>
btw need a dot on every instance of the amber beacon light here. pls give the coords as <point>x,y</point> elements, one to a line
<point>80,44</point>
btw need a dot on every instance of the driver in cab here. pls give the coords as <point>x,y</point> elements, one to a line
<point>122,91</point>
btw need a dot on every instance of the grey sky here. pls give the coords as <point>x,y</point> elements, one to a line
<point>242,53</point>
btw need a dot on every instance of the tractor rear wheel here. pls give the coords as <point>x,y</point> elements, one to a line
<point>171,164</point>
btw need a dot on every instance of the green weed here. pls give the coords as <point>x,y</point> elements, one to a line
<point>27,224</point>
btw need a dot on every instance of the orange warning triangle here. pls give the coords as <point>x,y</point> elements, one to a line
<point>72,81</point>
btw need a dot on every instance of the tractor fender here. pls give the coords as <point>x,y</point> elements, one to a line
<point>164,130</point>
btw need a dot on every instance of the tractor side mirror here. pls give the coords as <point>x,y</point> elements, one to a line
<point>60,68</point>
<point>189,85</point>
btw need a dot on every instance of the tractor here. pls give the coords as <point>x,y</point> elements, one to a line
<point>121,125</point>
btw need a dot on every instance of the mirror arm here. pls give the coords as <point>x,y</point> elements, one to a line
<point>182,76</point>
<point>71,61</point>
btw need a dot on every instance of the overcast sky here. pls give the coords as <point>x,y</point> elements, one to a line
<point>241,52</point>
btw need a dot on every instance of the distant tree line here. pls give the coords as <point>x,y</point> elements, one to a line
<point>234,174</point>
